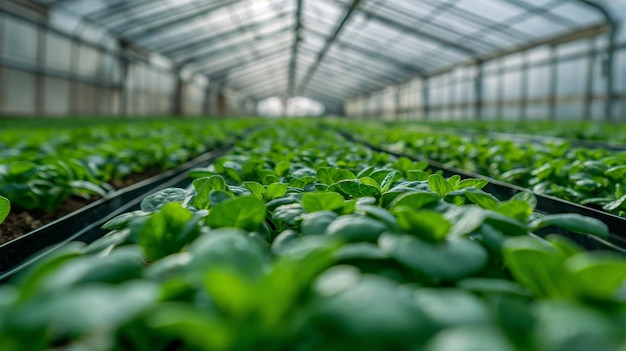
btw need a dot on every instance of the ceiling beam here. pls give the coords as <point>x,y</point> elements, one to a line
<point>419,33</point>
<point>375,55</point>
<point>226,70</point>
<point>178,18</point>
<point>294,48</point>
<point>196,42</point>
<point>329,42</point>
<point>255,41</point>
<point>116,9</point>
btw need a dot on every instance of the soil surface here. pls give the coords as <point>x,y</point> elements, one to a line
<point>21,221</point>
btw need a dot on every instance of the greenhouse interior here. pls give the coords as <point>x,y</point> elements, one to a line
<point>432,175</point>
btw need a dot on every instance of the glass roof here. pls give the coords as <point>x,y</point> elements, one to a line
<point>329,50</point>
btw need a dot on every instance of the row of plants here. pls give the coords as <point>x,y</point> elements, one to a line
<point>44,162</point>
<point>592,177</point>
<point>578,130</point>
<point>299,240</point>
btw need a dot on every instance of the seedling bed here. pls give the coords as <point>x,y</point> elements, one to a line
<point>545,204</point>
<point>84,224</point>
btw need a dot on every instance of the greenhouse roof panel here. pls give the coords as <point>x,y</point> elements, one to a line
<point>332,49</point>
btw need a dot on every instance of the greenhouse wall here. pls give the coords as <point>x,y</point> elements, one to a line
<point>561,81</point>
<point>47,71</point>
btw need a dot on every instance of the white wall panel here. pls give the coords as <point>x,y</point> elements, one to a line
<point>58,50</point>
<point>56,96</point>
<point>19,40</point>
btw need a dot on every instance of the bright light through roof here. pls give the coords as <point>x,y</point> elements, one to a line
<point>260,6</point>
<point>296,106</point>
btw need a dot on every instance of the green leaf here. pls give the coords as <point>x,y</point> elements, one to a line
<point>538,265</point>
<point>492,286</point>
<point>356,228</point>
<point>439,185</point>
<point>369,181</point>
<point>322,201</point>
<point>329,175</point>
<point>317,222</point>
<point>229,249</point>
<point>598,276</point>
<point>168,231</point>
<point>616,204</point>
<point>283,240</point>
<point>275,190</point>
<point>290,214</point>
<point>426,224</point>
<point>159,199</point>
<point>88,187</point>
<point>573,222</point>
<point>454,180</point>
<point>123,220</point>
<point>417,175</point>
<point>481,198</point>
<point>379,214</point>
<point>452,307</point>
<point>246,212</point>
<point>5,208</point>
<point>506,225</point>
<point>360,310</point>
<point>475,183</point>
<point>257,189</point>
<point>389,178</point>
<point>444,261</point>
<point>516,209</point>
<point>415,200</point>
<point>465,219</point>
<point>282,168</point>
<point>204,186</point>
<point>216,197</point>
<point>471,337</point>
<point>356,188</point>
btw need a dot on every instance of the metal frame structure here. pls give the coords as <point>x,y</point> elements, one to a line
<point>338,50</point>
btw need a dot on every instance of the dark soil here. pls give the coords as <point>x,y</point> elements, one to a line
<point>21,221</point>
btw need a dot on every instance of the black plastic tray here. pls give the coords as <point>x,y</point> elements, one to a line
<point>545,204</point>
<point>84,224</point>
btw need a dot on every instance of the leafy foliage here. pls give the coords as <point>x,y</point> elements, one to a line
<point>268,252</point>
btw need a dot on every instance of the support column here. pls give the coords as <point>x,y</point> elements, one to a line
<point>425,99</point>
<point>500,93</point>
<point>123,86</point>
<point>206,108</point>
<point>524,91</point>
<point>478,91</point>
<point>553,83</point>
<point>591,58</point>
<point>178,104</point>
<point>40,92</point>
<point>74,73</point>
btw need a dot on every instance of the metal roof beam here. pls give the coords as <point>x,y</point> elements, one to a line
<point>422,34</point>
<point>198,42</point>
<point>154,27</point>
<point>329,42</point>
<point>232,48</point>
<point>226,70</point>
<point>376,55</point>
<point>116,9</point>
<point>294,48</point>
<point>544,12</point>
<point>261,86</point>
<point>257,73</point>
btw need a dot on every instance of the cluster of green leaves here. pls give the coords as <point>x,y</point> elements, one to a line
<point>42,164</point>
<point>580,130</point>
<point>593,177</point>
<point>301,240</point>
